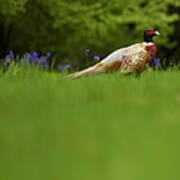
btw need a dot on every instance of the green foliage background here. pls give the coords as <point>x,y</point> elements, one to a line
<point>69,27</point>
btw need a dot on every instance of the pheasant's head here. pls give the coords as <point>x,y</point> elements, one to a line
<point>149,34</point>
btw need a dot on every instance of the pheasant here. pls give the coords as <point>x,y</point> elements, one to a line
<point>133,58</point>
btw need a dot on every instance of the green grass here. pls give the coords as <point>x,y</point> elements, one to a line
<point>106,127</point>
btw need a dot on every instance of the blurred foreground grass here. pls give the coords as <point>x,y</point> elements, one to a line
<point>106,127</point>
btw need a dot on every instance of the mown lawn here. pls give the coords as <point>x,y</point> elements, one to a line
<point>106,127</point>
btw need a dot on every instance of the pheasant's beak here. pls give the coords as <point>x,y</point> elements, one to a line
<point>157,33</point>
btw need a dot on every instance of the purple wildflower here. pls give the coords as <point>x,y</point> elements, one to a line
<point>10,55</point>
<point>63,67</point>
<point>35,59</point>
<point>34,56</point>
<point>96,58</point>
<point>42,60</point>
<point>27,57</point>
<point>156,62</point>
<point>48,54</point>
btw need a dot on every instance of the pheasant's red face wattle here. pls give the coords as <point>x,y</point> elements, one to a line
<point>150,32</point>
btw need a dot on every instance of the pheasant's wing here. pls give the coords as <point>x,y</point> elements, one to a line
<point>127,59</point>
<point>120,54</point>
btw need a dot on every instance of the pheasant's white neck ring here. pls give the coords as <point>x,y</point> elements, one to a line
<point>148,43</point>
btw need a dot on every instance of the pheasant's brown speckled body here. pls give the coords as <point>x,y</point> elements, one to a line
<point>133,58</point>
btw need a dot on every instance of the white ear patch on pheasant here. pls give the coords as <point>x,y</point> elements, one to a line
<point>133,58</point>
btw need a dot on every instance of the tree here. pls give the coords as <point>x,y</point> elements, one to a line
<point>8,11</point>
<point>70,27</point>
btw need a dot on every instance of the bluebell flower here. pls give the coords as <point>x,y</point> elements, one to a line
<point>63,67</point>
<point>10,55</point>
<point>34,56</point>
<point>41,60</point>
<point>27,57</point>
<point>96,58</point>
<point>156,62</point>
<point>48,54</point>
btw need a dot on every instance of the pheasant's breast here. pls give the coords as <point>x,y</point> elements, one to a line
<point>152,50</point>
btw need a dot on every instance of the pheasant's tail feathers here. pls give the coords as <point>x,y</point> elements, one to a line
<point>80,73</point>
<point>91,70</point>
